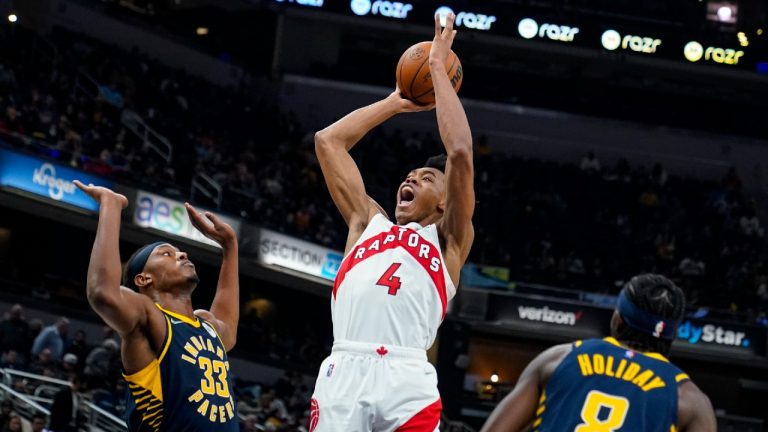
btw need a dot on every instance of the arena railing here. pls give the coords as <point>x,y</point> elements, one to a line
<point>44,389</point>
<point>158,143</point>
<point>208,187</point>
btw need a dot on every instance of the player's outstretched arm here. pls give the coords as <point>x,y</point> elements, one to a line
<point>694,411</point>
<point>342,176</point>
<point>456,224</point>
<point>517,409</point>
<point>121,308</point>
<point>225,309</point>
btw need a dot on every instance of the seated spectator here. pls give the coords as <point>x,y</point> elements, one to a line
<point>79,347</point>
<point>43,363</point>
<point>14,332</point>
<point>51,338</point>
<point>38,423</point>
<point>68,366</point>
<point>12,360</point>
<point>99,366</point>
<point>14,424</point>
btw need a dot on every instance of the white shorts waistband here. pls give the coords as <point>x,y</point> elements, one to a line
<point>379,350</point>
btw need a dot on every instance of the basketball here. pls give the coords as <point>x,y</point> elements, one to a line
<point>414,77</point>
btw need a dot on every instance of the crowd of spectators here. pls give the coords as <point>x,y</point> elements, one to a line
<point>51,352</point>
<point>581,225</point>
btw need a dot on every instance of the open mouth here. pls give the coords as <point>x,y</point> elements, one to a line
<point>188,264</point>
<point>406,196</point>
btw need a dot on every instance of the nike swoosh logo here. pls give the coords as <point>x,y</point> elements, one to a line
<point>175,321</point>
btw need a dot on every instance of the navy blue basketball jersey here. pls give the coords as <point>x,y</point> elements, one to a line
<point>601,386</point>
<point>188,387</point>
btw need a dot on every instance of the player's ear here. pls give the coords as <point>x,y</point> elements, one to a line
<point>142,280</point>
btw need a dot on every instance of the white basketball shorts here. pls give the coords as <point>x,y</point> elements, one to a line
<point>365,387</point>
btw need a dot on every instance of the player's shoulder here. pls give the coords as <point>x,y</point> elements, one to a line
<point>694,409</point>
<point>549,360</point>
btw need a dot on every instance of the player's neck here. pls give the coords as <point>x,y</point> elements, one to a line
<point>180,303</point>
<point>429,220</point>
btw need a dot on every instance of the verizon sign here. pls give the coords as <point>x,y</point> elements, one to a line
<point>547,315</point>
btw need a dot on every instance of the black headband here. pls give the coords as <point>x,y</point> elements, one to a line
<point>644,321</point>
<point>137,263</point>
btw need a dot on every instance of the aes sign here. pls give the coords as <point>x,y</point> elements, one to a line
<point>167,215</point>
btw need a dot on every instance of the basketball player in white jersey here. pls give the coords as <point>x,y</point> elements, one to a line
<point>395,281</point>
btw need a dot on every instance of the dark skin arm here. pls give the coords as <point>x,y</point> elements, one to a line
<point>456,225</point>
<point>225,309</point>
<point>342,175</point>
<point>694,411</point>
<point>516,411</point>
<point>132,315</point>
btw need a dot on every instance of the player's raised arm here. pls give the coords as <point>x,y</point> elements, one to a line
<point>225,309</point>
<point>694,411</point>
<point>342,176</point>
<point>518,408</point>
<point>121,308</point>
<point>456,224</point>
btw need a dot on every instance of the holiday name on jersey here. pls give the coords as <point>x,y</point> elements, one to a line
<point>599,364</point>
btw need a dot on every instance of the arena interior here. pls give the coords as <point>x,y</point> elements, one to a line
<point>611,138</point>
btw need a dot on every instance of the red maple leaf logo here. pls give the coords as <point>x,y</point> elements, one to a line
<point>382,351</point>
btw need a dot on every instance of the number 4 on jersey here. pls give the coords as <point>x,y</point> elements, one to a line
<point>389,280</point>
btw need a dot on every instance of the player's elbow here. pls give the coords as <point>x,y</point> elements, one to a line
<point>322,141</point>
<point>461,156</point>
<point>99,297</point>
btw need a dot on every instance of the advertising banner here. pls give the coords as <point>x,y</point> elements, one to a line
<point>594,321</point>
<point>305,257</point>
<point>167,215</point>
<point>46,179</point>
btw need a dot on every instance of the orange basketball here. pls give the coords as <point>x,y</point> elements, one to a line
<point>414,77</point>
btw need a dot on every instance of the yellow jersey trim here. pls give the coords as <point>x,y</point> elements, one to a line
<point>147,378</point>
<point>611,340</point>
<point>194,323</point>
<point>681,377</point>
<point>168,336</point>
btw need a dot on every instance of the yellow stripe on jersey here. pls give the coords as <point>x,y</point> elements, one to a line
<point>652,355</point>
<point>681,377</point>
<point>673,428</point>
<point>193,322</point>
<point>577,344</point>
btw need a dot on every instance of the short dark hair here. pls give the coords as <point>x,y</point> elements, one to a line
<point>657,295</point>
<point>437,162</point>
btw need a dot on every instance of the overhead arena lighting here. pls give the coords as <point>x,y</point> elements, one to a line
<point>12,18</point>
<point>725,12</point>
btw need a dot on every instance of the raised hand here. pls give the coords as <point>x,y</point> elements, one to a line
<point>101,194</point>
<point>441,44</point>
<point>212,227</point>
<point>406,105</point>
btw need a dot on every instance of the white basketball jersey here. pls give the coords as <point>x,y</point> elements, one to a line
<point>392,287</point>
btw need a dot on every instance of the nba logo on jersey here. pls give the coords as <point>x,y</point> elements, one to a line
<point>330,370</point>
<point>209,329</point>
<point>659,329</point>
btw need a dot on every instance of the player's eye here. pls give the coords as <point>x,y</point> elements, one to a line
<point>166,253</point>
<point>429,179</point>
